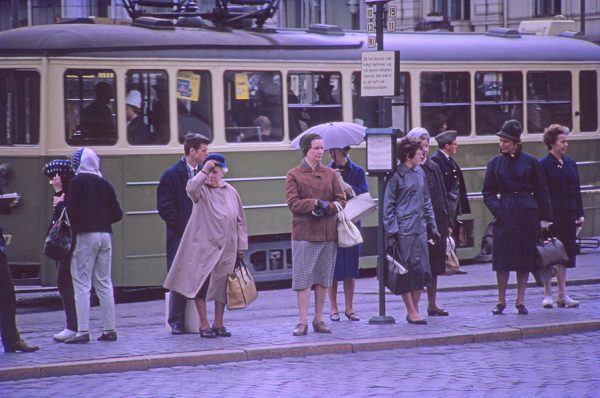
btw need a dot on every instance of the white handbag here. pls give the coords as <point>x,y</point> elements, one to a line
<point>348,233</point>
<point>359,207</point>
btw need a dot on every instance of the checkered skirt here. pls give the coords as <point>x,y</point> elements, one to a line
<point>312,263</point>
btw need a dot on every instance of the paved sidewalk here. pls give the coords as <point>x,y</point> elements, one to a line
<point>264,330</point>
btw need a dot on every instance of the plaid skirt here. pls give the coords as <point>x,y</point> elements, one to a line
<point>312,263</point>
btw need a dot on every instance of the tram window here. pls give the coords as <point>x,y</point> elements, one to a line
<point>364,109</point>
<point>147,107</point>
<point>548,100</point>
<point>446,101</point>
<point>253,106</point>
<point>498,98</point>
<point>588,101</point>
<point>19,107</point>
<point>90,113</point>
<point>194,103</point>
<point>313,98</point>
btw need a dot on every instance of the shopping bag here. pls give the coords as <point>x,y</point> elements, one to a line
<point>360,207</point>
<point>241,289</point>
<point>452,263</point>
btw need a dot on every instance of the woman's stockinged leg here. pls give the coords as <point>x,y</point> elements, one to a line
<point>502,279</point>
<point>303,300</point>
<point>332,292</point>
<point>521,285</point>
<point>320,294</point>
<point>561,279</point>
<point>349,286</point>
<point>219,313</point>
<point>202,315</point>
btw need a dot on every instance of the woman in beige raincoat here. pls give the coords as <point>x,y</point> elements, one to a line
<point>215,234</point>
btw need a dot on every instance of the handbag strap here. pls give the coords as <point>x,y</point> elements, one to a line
<point>340,211</point>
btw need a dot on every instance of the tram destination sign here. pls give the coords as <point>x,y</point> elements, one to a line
<point>379,73</point>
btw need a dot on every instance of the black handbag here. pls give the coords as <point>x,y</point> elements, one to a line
<point>60,238</point>
<point>551,252</point>
<point>395,276</point>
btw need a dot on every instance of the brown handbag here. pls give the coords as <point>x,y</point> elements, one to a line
<point>452,263</point>
<point>241,289</point>
<point>551,252</point>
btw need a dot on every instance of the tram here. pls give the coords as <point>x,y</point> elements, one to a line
<point>252,91</point>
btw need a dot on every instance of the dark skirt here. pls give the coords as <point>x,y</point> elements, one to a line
<point>564,229</point>
<point>437,254</point>
<point>516,232</point>
<point>415,258</point>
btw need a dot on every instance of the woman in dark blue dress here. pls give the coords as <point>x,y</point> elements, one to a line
<point>346,263</point>
<point>565,196</point>
<point>515,191</point>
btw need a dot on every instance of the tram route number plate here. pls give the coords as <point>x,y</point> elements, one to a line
<point>370,27</point>
<point>372,42</point>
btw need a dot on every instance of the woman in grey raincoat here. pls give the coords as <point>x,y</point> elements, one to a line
<point>408,221</point>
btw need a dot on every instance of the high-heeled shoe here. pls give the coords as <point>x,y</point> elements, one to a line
<point>567,302</point>
<point>21,346</point>
<point>417,322</point>
<point>498,309</point>
<point>301,329</point>
<point>521,309</point>
<point>437,312</point>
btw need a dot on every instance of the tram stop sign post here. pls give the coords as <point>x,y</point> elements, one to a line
<point>381,161</point>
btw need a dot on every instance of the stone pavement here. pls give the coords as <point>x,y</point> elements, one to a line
<point>263,331</point>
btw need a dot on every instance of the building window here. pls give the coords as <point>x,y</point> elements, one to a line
<point>455,10</point>
<point>253,106</point>
<point>547,8</point>
<point>194,103</point>
<point>588,101</point>
<point>548,100</point>
<point>147,107</point>
<point>446,102</point>
<point>498,98</point>
<point>313,98</point>
<point>90,110</point>
<point>19,107</point>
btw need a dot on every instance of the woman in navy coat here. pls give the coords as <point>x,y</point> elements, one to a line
<point>515,191</point>
<point>567,207</point>
<point>346,263</point>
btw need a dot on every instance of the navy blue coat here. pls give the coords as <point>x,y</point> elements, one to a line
<point>565,196</point>
<point>452,175</point>
<point>346,262</point>
<point>173,204</point>
<point>515,191</point>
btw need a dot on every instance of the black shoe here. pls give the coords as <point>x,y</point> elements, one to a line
<point>459,272</point>
<point>222,331</point>
<point>418,322</point>
<point>498,309</point>
<point>437,312</point>
<point>208,333</point>
<point>521,309</point>
<point>21,346</point>
<point>82,339</point>
<point>177,329</point>
<point>108,336</point>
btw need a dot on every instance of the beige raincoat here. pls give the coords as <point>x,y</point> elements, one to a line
<point>215,232</point>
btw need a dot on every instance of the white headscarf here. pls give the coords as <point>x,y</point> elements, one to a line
<point>89,163</point>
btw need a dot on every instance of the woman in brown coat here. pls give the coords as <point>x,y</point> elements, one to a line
<point>215,235</point>
<point>310,190</point>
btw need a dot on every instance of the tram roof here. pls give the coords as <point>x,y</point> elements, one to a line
<point>130,41</point>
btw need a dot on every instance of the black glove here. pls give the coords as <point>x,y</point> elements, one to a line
<point>322,204</point>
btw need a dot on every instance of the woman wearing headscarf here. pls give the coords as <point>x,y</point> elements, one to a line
<point>215,236</point>
<point>567,206</point>
<point>60,172</point>
<point>515,192</point>
<point>441,211</point>
<point>354,182</point>
<point>310,190</point>
<point>409,221</point>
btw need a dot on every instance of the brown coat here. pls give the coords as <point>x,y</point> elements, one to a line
<point>303,186</point>
<point>214,233</point>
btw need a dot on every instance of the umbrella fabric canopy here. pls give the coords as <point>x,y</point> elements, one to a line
<point>335,134</point>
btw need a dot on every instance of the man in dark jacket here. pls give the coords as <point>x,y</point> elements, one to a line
<point>175,208</point>
<point>92,207</point>
<point>11,340</point>
<point>454,181</point>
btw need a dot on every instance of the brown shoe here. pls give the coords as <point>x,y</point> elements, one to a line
<point>320,327</point>
<point>21,346</point>
<point>300,330</point>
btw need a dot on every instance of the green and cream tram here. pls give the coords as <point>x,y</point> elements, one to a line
<point>253,91</point>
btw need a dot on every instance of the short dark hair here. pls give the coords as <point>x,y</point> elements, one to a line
<point>551,134</point>
<point>406,149</point>
<point>193,141</point>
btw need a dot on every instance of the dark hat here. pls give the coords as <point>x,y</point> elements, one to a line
<point>76,159</point>
<point>217,157</point>
<point>62,167</point>
<point>446,137</point>
<point>511,130</point>
<point>306,140</point>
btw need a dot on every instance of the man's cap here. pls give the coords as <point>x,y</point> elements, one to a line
<point>446,137</point>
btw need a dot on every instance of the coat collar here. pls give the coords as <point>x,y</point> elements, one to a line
<point>306,167</point>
